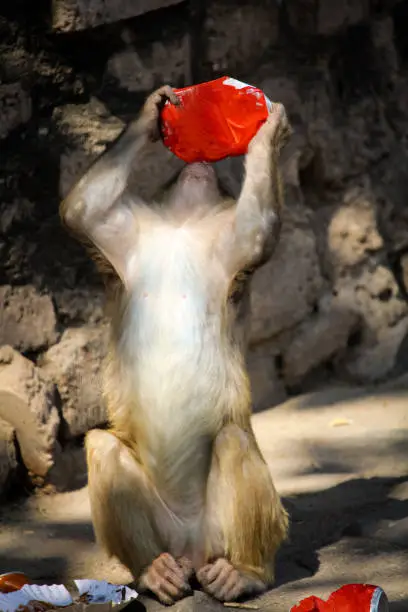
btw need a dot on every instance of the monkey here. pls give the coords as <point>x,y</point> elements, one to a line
<point>179,489</point>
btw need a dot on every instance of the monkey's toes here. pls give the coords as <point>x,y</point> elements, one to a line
<point>165,578</point>
<point>221,580</point>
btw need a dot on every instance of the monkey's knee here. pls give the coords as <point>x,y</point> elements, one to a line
<point>231,441</point>
<point>123,502</point>
<point>255,511</point>
<point>103,454</point>
<point>98,443</point>
<point>113,470</point>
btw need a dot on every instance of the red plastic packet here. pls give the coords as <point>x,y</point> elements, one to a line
<point>349,598</point>
<point>216,119</point>
<point>13,581</point>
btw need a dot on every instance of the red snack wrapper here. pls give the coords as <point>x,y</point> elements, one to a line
<point>13,581</point>
<point>216,119</point>
<point>349,598</point>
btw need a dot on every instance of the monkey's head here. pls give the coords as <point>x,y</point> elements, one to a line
<point>195,186</point>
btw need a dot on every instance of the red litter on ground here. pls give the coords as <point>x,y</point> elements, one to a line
<point>349,598</point>
<point>216,119</point>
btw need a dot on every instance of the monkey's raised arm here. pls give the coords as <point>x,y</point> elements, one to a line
<point>257,212</point>
<point>97,208</point>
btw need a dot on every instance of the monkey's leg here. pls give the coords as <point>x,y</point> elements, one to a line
<point>245,519</point>
<point>129,517</point>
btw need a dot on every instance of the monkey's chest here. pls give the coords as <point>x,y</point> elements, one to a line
<point>172,331</point>
<point>172,311</point>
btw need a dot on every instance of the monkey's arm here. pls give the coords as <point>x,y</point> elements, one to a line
<point>257,212</point>
<point>97,208</point>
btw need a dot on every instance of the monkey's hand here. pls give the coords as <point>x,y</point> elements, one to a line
<point>150,115</point>
<point>276,130</point>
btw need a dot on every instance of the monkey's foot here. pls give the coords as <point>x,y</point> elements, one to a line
<point>167,578</point>
<point>221,580</point>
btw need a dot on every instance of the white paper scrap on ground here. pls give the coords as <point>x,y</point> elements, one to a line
<point>100,591</point>
<point>97,592</point>
<point>56,595</point>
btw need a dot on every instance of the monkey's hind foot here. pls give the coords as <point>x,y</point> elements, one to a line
<point>224,582</point>
<point>167,578</point>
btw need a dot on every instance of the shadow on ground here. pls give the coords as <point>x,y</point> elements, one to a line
<point>354,509</point>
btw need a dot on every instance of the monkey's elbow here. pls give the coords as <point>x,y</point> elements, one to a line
<point>71,213</point>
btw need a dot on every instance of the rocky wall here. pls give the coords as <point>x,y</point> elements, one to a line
<point>331,306</point>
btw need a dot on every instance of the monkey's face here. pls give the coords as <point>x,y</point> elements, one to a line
<point>197,185</point>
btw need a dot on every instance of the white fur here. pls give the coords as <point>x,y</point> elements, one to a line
<point>172,336</point>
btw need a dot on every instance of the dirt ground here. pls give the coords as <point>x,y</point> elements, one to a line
<point>339,458</point>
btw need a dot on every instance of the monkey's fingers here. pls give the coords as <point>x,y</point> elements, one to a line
<point>164,93</point>
<point>219,574</point>
<point>158,585</point>
<point>168,569</point>
<point>162,585</point>
<point>168,561</point>
<point>169,94</point>
<point>153,107</point>
<point>176,581</point>
<point>232,588</point>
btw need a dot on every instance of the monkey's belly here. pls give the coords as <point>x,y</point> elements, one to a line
<point>174,351</point>
<point>178,366</point>
<point>178,379</point>
<point>173,327</point>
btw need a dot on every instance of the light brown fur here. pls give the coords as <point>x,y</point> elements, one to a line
<point>178,484</point>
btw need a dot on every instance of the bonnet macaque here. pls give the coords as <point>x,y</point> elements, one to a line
<point>178,485</point>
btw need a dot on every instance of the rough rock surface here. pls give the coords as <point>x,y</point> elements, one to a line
<point>8,456</point>
<point>90,128</point>
<point>74,364</point>
<point>28,405</point>
<point>316,340</point>
<point>255,28</point>
<point>139,72</point>
<point>285,290</point>
<point>15,107</point>
<point>27,319</point>
<point>69,15</point>
<point>266,387</point>
<point>324,18</point>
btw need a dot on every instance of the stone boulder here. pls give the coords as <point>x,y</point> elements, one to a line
<point>8,458</point>
<point>27,318</point>
<point>286,289</point>
<point>375,295</point>
<point>80,305</point>
<point>347,232</point>
<point>73,15</point>
<point>316,340</point>
<point>28,405</point>
<point>267,388</point>
<point>142,70</point>
<point>324,18</point>
<point>239,33</point>
<point>75,365</point>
